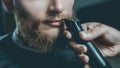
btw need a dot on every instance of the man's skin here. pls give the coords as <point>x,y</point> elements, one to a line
<point>44,18</point>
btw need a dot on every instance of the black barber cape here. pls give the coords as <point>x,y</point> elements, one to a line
<point>13,56</point>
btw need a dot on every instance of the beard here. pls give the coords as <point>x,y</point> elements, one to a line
<point>42,42</point>
<point>32,33</point>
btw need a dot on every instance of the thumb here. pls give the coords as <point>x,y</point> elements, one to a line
<point>93,33</point>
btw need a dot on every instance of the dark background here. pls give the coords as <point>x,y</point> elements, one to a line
<point>104,11</point>
<point>7,23</point>
<point>107,12</point>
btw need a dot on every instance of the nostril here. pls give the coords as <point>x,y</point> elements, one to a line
<point>59,7</point>
<point>56,7</point>
<point>53,10</point>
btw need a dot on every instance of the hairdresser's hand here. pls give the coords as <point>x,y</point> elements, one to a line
<point>106,38</point>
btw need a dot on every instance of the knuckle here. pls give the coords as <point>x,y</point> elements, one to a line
<point>79,48</point>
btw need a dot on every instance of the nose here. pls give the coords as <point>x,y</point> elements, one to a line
<point>56,7</point>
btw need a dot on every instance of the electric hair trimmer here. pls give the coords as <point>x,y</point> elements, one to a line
<point>96,58</point>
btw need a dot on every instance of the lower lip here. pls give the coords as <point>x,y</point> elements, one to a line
<point>55,24</point>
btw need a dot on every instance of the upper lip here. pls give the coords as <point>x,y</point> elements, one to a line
<point>60,20</point>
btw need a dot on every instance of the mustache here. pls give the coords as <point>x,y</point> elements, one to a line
<point>56,17</point>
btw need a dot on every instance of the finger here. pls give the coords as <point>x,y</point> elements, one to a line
<point>67,34</point>
<point>90,25</point>
<point>91,34</point>
<point>83,57</point>
<point>79,48</point>
<point>84,26</point>
<point>87,66</point>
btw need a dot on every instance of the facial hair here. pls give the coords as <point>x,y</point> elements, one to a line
<point>30,33</point>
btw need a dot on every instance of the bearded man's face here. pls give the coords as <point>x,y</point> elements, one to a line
<point>40,21</point>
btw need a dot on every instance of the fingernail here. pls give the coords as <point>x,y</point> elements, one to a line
<point>69,36</point>
<point>84,34</point>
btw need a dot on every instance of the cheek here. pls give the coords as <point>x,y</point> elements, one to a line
<point>69,5</point>
<point>36,9</point>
